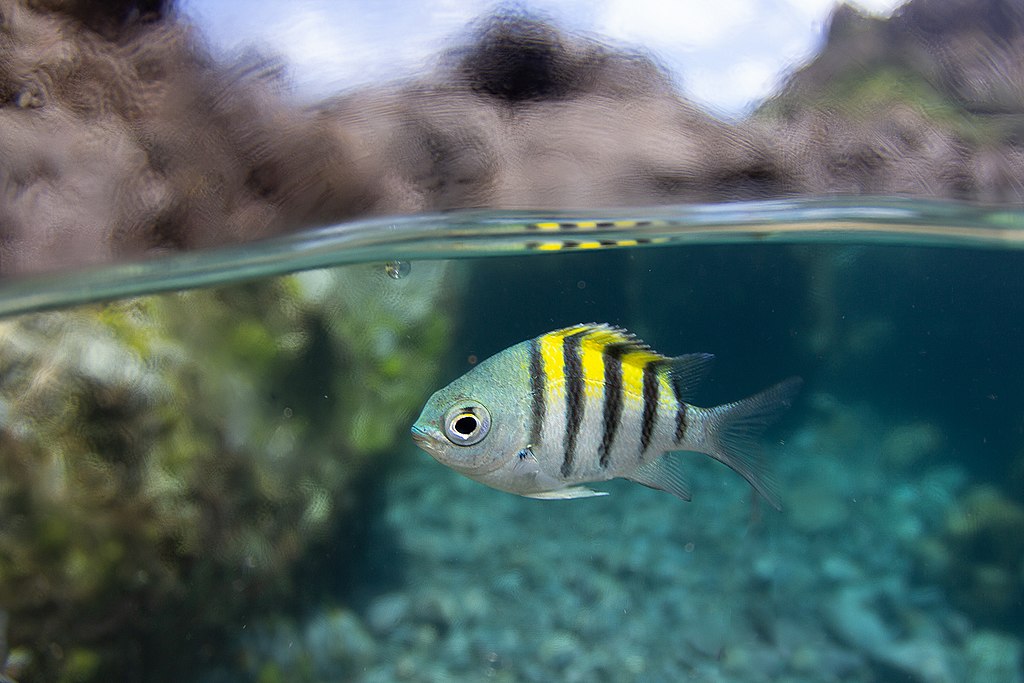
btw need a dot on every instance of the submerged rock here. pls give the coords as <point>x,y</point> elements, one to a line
<point>173,459</point>
<point>337,644</point>
<point>913,444</point>
<point>813,507</point>
<point>994,657</point>
<point>979,557</point>
<point>388,612</point>
<point>855,615</point>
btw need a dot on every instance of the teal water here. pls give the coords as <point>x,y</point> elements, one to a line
<point>475,234</point>
<point>218,484</point>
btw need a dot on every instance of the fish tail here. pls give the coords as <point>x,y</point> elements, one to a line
<point>732,431</point>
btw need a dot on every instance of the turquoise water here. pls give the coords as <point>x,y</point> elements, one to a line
<point>474,234</point>
<point>219,485</point>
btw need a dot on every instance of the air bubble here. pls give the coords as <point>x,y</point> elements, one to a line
<point>396,270</point>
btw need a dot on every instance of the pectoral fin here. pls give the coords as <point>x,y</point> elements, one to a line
<point>567,493</point>
<point>526,462</point>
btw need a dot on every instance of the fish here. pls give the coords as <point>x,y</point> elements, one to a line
<point>585,235</point>
<point>590,403</point>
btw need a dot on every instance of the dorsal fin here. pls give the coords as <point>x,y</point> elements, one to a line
<point>603,333</point>
<point>599,336</point>
<point>687,372</point>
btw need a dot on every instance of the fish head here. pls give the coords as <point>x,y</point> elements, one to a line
<point>475,424</point>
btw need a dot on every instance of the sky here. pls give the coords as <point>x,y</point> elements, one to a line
<point>725,54</point>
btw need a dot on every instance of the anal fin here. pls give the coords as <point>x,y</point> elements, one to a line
<point>665,474</point>
<point>567,493</point>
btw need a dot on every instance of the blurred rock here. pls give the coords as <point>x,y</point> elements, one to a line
<point>387,612</point>
<point>994,657</point>
<point>979,557</point>
<point>928,103</point>
<point>913,444</point>
<point>157,472</point>
<point>337,644</point>
<point>858,617</point>
<point>119,136</point>
<point>813,507</point>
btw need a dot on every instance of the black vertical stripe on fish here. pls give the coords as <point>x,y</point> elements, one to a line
<point>680,415</point>
<point>538,387</point>
<point>573,397</point>
<point>650,404</point>
<point>612,397</point>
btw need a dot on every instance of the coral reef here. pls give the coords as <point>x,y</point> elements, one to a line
<point>164,462</point>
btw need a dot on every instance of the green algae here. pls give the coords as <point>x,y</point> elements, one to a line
<point>163,461</point>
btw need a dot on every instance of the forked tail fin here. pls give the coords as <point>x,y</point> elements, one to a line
<point>732,431</point>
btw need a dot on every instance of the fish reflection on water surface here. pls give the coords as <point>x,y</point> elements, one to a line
<point>591,403</point>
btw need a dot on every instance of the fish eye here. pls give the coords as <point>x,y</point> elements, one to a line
<point>467,425</point>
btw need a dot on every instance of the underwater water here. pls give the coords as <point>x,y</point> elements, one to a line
<point>218,484</point>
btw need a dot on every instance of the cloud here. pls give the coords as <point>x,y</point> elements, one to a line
<point>727,53</point>
<point>331,45</point>
<point>734,88</point>
<point>681,25</point>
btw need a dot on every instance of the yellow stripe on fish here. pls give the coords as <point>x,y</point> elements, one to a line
<point>592,350</point>
<point>592,360</point>
<point>594,342</point>
<point>553,358</point>
<point>588,226</point>
<point>601,368</point>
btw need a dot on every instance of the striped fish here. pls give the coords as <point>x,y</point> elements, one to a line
<point>590,403</point>
<point>569,235</point>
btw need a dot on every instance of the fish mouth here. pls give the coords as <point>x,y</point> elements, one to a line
<point>423,440</point>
